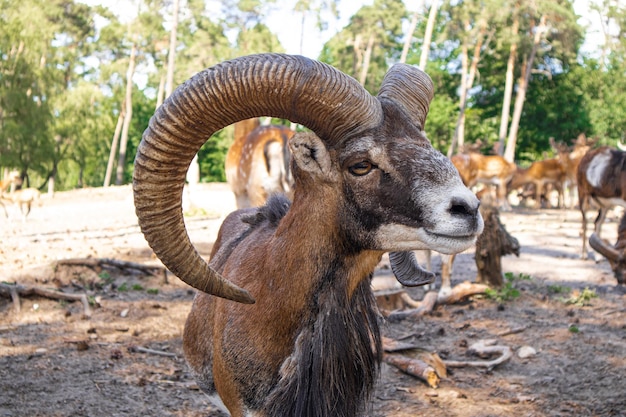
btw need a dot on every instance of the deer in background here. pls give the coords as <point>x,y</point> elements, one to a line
<point>23,200</point>
<point>539,175</point>
<point>569,158</point>
<point>601,178</point>
<point>12,178</point>
<point>476,168</point>
<point>285,323</point>
<point>257,162</point>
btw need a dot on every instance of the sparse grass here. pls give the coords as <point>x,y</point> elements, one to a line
<point>106,278</point>
<point>558,289</point>
<point>581,298</point>
<point>195,212</point>
<point>152,291</point>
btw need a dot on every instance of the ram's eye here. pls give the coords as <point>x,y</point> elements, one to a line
<point>361,168</point>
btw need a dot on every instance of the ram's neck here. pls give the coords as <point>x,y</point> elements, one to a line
<point>340,336</point>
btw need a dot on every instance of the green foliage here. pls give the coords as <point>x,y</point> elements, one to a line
<point>557,289</point>
<point>152,291</point>
<point>106,278</point>
<point>63,73</point>
<point>508,291</point>
<point>374,29</point>
<point>212,156</point>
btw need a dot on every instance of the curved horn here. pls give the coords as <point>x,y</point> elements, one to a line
<point>401,84</point>
<point>621,146</point>
<point>603,248</point>
<point>304,91</point>
<point>408,271</point>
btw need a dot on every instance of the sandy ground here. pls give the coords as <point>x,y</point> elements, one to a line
<point>56,362</point>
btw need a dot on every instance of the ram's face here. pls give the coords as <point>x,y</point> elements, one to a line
<point>402,194</point>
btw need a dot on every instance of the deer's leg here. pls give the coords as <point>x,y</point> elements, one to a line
<point>446,273</point>
<point>600,219</point>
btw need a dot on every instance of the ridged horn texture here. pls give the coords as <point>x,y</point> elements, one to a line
<point>603,248</point>
<point>296,88</point>
<point>408,271</point>
<point>411,88</point>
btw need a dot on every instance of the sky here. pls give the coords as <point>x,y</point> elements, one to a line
<point>287,24</point>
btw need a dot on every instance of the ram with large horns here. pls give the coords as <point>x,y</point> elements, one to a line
<point>285,323</point>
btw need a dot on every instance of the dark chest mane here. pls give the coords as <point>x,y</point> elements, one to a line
<point>336,357</point>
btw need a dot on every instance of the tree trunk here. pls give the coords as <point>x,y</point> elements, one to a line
<point>428,34</point>
<point>494,243</point>
<point>509,152</point>
<point>366,59</point>
<point>128,115</point>
<point>409,36</point>
<point>458,136</point>
<point>508,86</point>
<point>161,91</point>
<point>171,55</point>
<point>114,142</point>
<point>467,82</point>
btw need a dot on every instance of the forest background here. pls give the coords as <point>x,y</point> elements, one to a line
<point>79,81</point>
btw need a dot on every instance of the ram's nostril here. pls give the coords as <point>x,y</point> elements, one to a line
<point>463,208</point>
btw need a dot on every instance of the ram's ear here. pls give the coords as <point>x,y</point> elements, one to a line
<point>311,155</point>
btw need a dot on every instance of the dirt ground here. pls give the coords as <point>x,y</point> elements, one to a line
<point>56,362</point>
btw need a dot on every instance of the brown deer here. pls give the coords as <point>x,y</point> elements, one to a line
<point>23,200</point>
<point>257,163</point>
<point>570,157</point>
<point>476,168</point>
<point>285,322</point>
<point>539,175</point>
<point>601,178</point>
<point>12,178</point>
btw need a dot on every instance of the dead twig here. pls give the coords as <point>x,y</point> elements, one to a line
<point>100,263</point>
<point>15,291</point>
<point>142,349</point>
<point>514,330</point>
<point>484,348</point>
<point>461,291</point>
<point>426,306</point>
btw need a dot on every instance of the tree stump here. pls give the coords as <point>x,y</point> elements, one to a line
<point>491,246</point>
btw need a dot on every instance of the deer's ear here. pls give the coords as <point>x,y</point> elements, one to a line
<point>310,155</point>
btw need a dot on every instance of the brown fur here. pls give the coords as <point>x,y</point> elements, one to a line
<point>303,340</point>
<point>305,347</point>
<point>612,186</point>
<point>257,163</point>
<point>476,168</point>
<point>540,174</point>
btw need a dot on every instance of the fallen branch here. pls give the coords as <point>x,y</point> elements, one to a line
<point>426,306</point>
<point>414,367</point>
<point>460,292</point>
<point>15,291</point>
<point>151,351</point>
<point>99,263</point>
<point>514,330</point>
<point>421,363</point>
<point>484,348</point>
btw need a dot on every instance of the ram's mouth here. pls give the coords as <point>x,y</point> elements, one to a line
<point>448,243</point>
<point>450,236</point>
